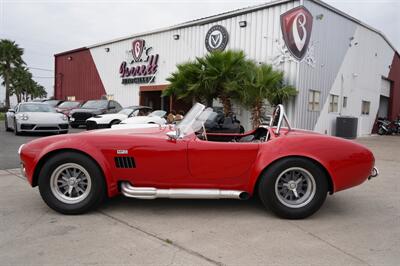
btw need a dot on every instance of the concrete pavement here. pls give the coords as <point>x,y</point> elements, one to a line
<point>360,226</point>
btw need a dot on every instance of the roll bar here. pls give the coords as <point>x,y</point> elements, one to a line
<point>279,113</point>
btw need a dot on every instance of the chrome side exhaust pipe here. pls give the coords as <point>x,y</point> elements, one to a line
<point>180,193</point>
<point>374,173</point>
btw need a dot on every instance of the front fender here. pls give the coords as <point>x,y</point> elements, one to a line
<point>33,156</point>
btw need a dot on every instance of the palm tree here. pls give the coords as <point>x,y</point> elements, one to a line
<point>211,77</point>
<point>10,58</point>
<point>222,71</point>
<point>187,84</point>
<point>20,82</point>
<point>263,82</point>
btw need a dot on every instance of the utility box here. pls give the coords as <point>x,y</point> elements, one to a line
<point>346,127</point>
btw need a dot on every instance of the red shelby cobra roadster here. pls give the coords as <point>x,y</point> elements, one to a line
<point>291,170</point>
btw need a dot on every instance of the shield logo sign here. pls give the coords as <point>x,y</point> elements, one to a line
<point>137,49</point>
<point>296,25</point>
<point>216,38</point>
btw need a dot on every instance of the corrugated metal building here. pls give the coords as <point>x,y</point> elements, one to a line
<point>339,65</point>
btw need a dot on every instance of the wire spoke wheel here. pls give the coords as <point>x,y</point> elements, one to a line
<point>295,187</point>
<point>70,183</point>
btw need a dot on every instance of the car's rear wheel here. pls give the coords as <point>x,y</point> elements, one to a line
<point>293,188</point>
<point>71,183</point>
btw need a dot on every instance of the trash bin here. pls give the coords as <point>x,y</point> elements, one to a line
<point>346,127</point>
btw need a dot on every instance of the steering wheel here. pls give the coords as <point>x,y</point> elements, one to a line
<point>204,133</point>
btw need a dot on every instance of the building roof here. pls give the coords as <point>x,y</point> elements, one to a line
<point>229,14</point>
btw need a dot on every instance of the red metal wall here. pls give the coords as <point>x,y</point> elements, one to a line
<point>394,76</point>
<point>76,75</point>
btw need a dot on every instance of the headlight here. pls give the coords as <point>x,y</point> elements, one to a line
<point>65,118</point>
<point>22,117</point>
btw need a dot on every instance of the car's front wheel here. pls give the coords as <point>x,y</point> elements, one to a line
<point>293,188</point>
<point>6,125</point>
<point>16,131</point>
<point>114,122</point>
<point>71,183</point>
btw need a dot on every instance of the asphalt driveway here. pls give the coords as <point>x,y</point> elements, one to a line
<point>9,144</point>
<point>360,226</point>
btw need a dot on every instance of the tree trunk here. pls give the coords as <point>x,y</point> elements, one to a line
<point>226,102</point>
<point>209,102</point>
<point>256,114</point>
<point>18,97</point>
<point>7,90</point>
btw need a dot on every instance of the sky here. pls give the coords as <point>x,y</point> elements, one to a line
<point>46,27</point>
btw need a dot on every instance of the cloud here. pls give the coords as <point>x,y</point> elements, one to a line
<point>44,28</point>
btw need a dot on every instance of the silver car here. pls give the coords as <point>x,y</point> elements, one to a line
<point>35,117</point>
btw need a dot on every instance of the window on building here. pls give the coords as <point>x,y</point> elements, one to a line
<point>313,100</point>
<point>365,107</point>
<point>333,103</point>
<point>344,102</point>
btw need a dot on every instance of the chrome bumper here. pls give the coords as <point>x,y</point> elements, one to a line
<point>374,173</point>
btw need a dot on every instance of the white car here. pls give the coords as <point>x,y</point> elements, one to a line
<point>35,117</point>
<point>155,118</point>
<point>107,120</point>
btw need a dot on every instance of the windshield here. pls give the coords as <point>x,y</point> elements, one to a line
<point>159,113</point>
<point>126,111</point>
<point>52,102</point>
<point>95,104</point>
<point>68,105</point>
<point>194,119</point>
<point>35,108</point>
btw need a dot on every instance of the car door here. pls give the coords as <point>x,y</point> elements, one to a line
<point>221,163</point>
<point>160,162</point>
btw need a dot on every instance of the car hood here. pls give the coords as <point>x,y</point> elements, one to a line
<point>108,117</point>
<point>43,117</point>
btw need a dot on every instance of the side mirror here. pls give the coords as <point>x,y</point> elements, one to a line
<point>172,135</point>
<point>11,110</point>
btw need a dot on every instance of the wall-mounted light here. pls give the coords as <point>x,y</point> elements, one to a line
<point>242,23</point>
<point>176,36</point>
<point>69,58</point>
<point>320,17</point>
<point>107,49</point>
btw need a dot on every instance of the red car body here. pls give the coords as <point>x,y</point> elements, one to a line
<point>190,162</point>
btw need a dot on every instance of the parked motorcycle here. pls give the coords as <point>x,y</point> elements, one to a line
<point>386,127</point>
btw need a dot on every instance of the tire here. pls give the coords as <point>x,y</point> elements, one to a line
<point>74,126</point>
<point>16,132</point>
<point>381,131</point>
<point>94,192</point>
<point>114,122</point>
<point>275,185</point>
<point>6,125</point>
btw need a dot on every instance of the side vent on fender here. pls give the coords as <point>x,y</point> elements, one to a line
<point>124,162</point>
